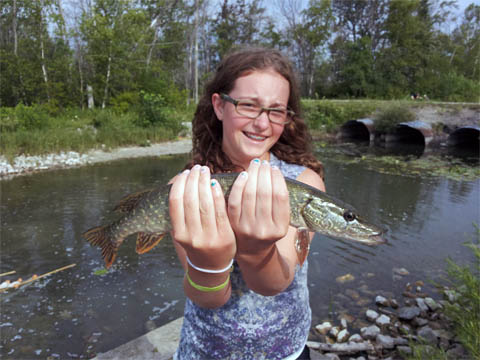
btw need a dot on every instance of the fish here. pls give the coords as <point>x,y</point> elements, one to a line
<point>146,214</point>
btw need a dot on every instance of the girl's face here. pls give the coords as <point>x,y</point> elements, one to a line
<point>245,139</point>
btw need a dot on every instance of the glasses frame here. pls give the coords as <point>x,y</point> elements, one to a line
<point>290,113</point>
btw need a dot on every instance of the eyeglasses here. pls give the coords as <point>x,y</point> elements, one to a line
<point>251,110</point>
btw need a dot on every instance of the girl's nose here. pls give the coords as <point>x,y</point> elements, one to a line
<point>262,121</point>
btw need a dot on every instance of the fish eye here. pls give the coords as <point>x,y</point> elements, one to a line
<point>348,215</point>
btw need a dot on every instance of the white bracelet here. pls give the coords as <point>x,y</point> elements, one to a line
<point>208,271</point>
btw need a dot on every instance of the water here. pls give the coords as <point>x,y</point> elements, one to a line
<point>75,313</point>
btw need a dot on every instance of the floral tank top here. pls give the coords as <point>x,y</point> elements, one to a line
<point>249,325</point>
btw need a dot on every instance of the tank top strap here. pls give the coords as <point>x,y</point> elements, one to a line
<point>288,170</point>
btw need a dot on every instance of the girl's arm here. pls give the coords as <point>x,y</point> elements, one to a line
<point>201,231</point>
<point>266,250</point>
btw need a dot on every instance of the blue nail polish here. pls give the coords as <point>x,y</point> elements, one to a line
<point>213,183</point>
<point>256,161</point>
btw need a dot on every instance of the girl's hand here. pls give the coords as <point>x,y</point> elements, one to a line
<point>199,219</point>
<point>258,208</point>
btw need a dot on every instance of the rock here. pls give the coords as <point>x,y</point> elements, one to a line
<point>324,328</point>
<point>419,322</point>
<point>355,338</point>
<point>393,303</point>
<point>363,302</point>
<point>385,341</point>
<point>404,329</point>
<point>345,278</point>
<point>380,300</point>
<point>315,355</point>
<point>334,331</point>
<point>343,323</point>
<point>408,312</point>
<point>344,348</point>
<point>382,320</point>
<point>421,304</point>
<point>432,304</point>
<point>344,316</point>
<point>343,336</point>
<point>372,315</point>
<point>427,334</point>
<point>370,332</point>
<point>400,271</point>
<point>457,352</point>
<point>352,294</point>
<point>404,350</point>
<point>451,295</point>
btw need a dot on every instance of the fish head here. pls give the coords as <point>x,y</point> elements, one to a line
<point>340,221</point>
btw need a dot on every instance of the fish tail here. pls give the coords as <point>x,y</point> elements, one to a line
<point>101,236</point>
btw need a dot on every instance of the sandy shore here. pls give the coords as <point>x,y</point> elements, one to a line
<point>27,164</point>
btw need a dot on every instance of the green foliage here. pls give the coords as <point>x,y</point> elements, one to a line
<point>24,118</point>
<point>329,115</point>
<point>126,101</point>
<point>78,130</point>
<point>465,311</point>
<point>388,117</point>
<point>155,112</point>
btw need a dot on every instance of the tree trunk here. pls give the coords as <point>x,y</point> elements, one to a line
<point>105,92</point>
<point>42,50</point>
<point>91,102</point>
<point>14,28</point>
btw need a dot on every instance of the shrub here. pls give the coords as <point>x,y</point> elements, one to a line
<point>31,117</point>
<point>126,101</point>
<point>387,118</point>
<point>330,114</point>
<point>155,112</point>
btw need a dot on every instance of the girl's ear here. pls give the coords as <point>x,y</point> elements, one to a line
<point>218,105</point>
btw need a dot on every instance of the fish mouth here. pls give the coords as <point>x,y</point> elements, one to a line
<point>376,239</point>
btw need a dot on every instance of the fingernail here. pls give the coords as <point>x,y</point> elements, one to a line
<point>274,167</point>
<point>244,174</point>
<point>213,183</point>
<point>196,167</point>
<point>204,169</point>
<point>265,162</point>
<point>256,161</point>
<point>186,172</point>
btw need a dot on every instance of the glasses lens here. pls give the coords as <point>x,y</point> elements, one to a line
<point>248,109</point>
<point>278,115</point>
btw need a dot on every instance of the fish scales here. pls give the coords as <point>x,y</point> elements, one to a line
<point>146,213</point>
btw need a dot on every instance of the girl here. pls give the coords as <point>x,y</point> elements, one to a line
<point>247,296</point>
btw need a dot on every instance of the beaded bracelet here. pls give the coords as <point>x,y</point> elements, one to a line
<point>207,288</point>
<point>208,271</point>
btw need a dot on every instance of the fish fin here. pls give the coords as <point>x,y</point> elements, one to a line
<point>131,201</point>
<point>302,244</point>
<point>147,241</point>
<point>101,236</point>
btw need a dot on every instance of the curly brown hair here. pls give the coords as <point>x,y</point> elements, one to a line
<point>294,145</point>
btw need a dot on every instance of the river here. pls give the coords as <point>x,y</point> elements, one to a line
<point>79,312</point>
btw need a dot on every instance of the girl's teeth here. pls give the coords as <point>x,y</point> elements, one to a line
<point>255,137</point>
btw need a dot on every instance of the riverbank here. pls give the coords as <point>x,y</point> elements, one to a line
<point>22,165</point>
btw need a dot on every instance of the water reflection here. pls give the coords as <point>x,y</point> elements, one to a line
<point>76,313</point>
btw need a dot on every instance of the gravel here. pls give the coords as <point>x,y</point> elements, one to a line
<point>27,164</point>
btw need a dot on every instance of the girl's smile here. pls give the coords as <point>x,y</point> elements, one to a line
<point>245,138</point>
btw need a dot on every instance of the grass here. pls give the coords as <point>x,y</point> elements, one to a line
<point>33,131</point>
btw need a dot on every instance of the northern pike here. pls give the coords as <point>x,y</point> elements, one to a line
<point>146,213</point>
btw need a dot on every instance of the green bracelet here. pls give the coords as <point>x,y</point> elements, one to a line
<point>206,288</point>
